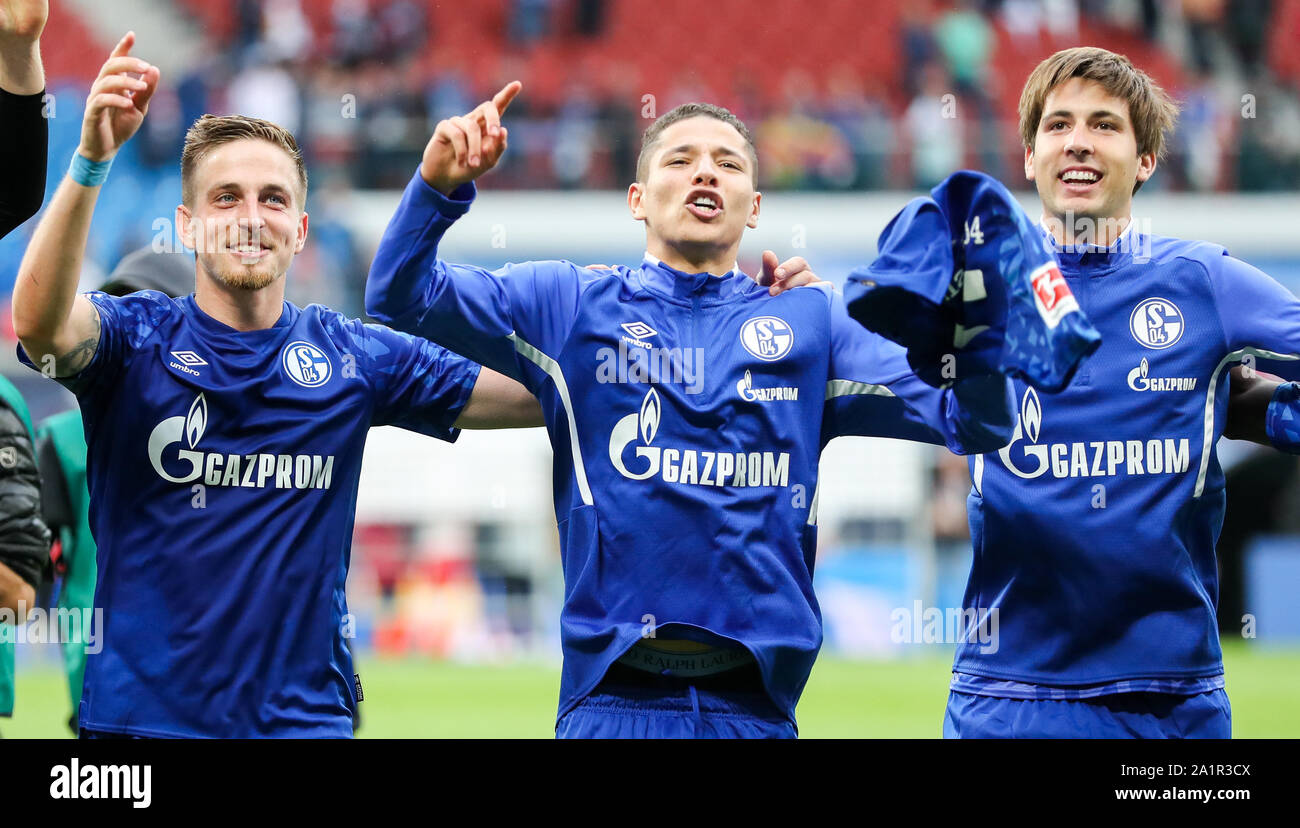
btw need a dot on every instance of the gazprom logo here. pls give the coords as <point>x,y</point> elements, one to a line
<point>1157,323</point>
<point>306,364</point>
<point>196,422</point>
<point>647,423</point>
<point>767,337</point>
<point>687,466</point>
<point>1027,459</point>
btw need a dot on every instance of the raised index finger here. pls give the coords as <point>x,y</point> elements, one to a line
<point>502,99</point>
<point>124,45</point>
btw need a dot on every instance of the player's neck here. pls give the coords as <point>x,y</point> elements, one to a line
<point>243,310</point>
<point>692,261</point>
<point>1071,229</point>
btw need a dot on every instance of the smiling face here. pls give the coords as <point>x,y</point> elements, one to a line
<point>1085,160</point>
<point>697,196</point>
<point>247,221</point>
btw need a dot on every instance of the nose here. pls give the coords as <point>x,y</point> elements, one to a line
<point>705,172</point>
<point>251,218</point>
<point>1077,142</point>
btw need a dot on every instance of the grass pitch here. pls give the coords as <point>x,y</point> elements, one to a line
<point>417,698</point>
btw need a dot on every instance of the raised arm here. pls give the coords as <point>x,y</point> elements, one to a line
<point>24,138</point>
<point>21,24</point>
<point>494,318</point>
<point>58,328</point>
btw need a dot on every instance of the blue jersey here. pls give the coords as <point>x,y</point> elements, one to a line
<point>223,469</point>
<point>687,413</point>
<point>1094,530</point>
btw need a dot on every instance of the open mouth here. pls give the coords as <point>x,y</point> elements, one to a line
<point>704,205</point>
<point>1080,179</point>
<point>250,252</point>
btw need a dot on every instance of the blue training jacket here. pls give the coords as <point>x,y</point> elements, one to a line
<point>1094,530</point>
<point>687,413</point>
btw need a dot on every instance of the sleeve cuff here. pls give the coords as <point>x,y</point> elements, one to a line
<point>1282,419</point>
<point>453,206</point>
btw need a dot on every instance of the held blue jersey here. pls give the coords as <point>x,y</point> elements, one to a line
<point>1094,530</point>
<point>687,413</point>
<point>223,469</point>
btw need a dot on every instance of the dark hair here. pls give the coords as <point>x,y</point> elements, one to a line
<point>212,131</point>
<point>681,113</point>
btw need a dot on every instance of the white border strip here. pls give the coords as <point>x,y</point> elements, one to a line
<point>846,388</point>
<point>1235,356</point>
<point>552,369</point>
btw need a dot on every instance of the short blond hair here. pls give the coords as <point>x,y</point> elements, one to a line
<point>1151,110</point>
<point>211,131</point>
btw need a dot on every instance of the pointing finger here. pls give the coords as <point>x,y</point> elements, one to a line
<point>507,94</point>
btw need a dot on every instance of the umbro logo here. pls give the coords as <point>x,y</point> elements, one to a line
<point>639,330</point>
<point>189,358</point>
<point>186,362</point>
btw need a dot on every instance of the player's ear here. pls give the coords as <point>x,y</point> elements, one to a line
<point>1146,166</point>
<point>635,203</point>
<point>302,234</point>
<point>185,226</point>
<point>752,221</point>
<point>1029,163</point>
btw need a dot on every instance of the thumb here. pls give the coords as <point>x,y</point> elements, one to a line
<point>767,273</point>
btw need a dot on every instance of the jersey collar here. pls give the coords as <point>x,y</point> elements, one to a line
<point>680,285</point>
<point>1093,257</point>
<point>211,326</point>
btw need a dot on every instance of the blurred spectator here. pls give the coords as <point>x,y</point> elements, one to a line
<point>1247,29</point>
<point>1203,129</point>
<point>965,39</point>
<point>918,49</point>
<point>589,17</point>
<point>286,34</point>
<point>933,131</point>
<point>268,91</point>
<point>529,20</point>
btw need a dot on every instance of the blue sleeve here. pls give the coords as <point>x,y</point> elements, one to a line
<point>418,386</point>
<point>1257,313</point>
<point>125,322</point>
<point>496,318</point>
<point>873,391</point>
<point>1282,420</point>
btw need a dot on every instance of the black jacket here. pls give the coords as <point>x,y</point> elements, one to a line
<point>24,538</point>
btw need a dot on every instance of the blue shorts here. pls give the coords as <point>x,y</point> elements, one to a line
<point>626,712</point>
<point>1119,716</point>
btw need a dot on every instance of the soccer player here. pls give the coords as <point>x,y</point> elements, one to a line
<point>225,432</point>
<point>1094,530</point>
<point>687,407</point>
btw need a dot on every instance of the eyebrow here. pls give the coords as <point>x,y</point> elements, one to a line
<point>1100,113</point>
<point>722,150</point>
<point>231,185</point>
